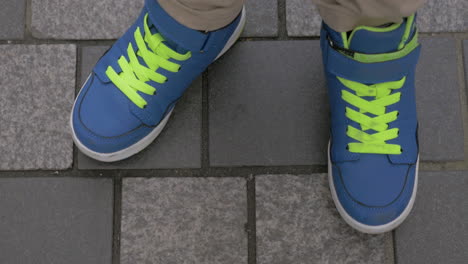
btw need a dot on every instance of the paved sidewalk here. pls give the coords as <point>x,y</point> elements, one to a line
<point>239,174</point>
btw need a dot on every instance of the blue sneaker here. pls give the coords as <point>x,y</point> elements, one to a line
<point>373,150</point>
<point>129,97</point>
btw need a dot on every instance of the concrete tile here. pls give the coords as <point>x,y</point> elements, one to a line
<point>435,231</point>
<point>302,18</point>
<point>438,101</point>
<point>443,16</point>
<point>184,220</point>
<point>109,19</point>
<point>178,145</point>
<point>297,223</point>
<point>84,19</point>
<point>12,19</point>
<point>262,18</point>
<point>56,220</point>
<point>89,56</point>
<point>37,84</point>
<point>267,105</point>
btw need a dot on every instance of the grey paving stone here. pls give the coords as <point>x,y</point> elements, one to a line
<point>89,56</point>
<point>297,223</point>
<point>184,220</point>
<point>108,19</point>
<point>56,220</point>
<point>12,19</point>
<point>443,16</point>
<point>37,85</point>
<point>436,230</point>
<point>178,146</point>
<point>302,18</point>
<point>262,18</point>
<point>267,105</point>
<point>84,19</point>
<point>438,101</point>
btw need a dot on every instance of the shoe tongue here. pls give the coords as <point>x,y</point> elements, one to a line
<point>372,40</point>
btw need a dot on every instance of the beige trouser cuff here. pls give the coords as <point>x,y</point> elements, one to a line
<point>341,15</point>
<point>206,15</point>
<point>345,15</point>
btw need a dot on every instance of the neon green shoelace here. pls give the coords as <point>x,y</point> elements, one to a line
<point>134,76</point>
<point>372,143</point>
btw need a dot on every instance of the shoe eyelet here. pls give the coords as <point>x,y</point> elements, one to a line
<point>347,147</point>
<point>401,150</point>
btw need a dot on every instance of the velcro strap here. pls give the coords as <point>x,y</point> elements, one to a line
<point>346,67</point>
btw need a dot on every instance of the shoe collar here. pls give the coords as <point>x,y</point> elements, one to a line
<point>375,40</point>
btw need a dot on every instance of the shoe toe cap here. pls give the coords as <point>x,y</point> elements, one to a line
<point>371,201</point>
<point>101,120</point>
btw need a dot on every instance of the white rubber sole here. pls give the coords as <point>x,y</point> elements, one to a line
<point>148,139</point>
<point>368,228</point>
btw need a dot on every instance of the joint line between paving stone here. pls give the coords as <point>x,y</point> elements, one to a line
<point>117,219</point>
<point>251,221</point>
<point>78,69</point>
<point>77,84</point>
<point>395,255</point>
<point>205,144</point>
<point>214,172</point>
<point>27,34</point>
<point>282,35</point>
<point>463,97</point>
<point>282,28</point>
<point>211,172</point>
